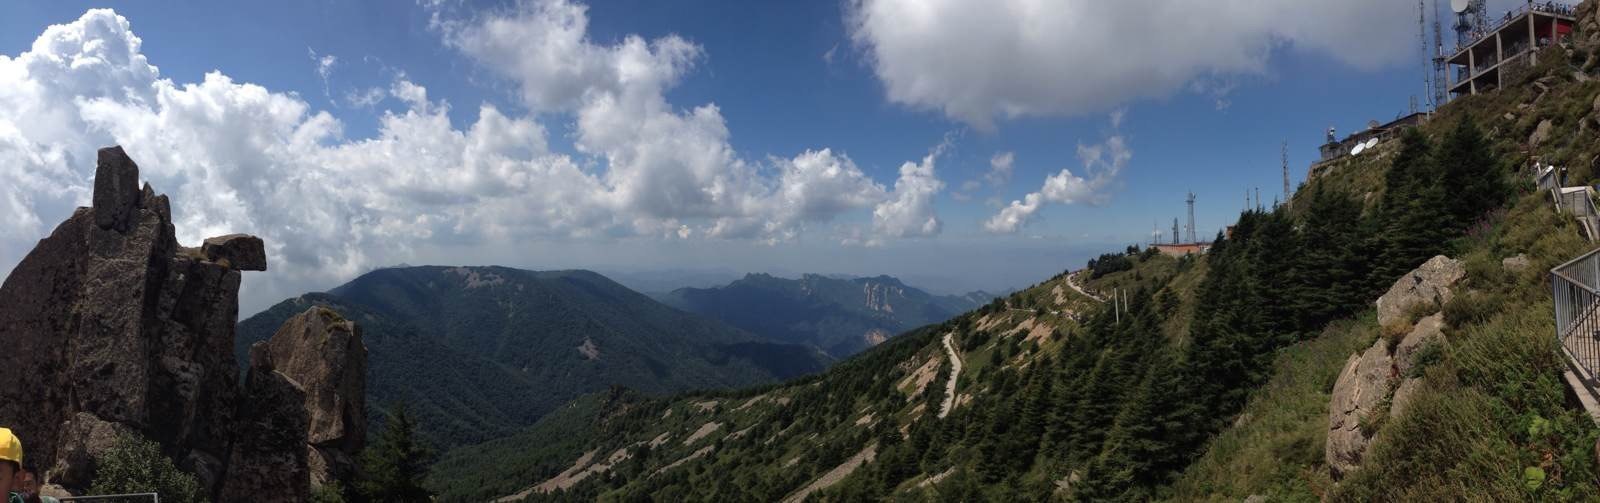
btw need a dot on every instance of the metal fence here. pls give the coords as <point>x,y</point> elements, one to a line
<point>1576,298</point>
<point>117,498</point>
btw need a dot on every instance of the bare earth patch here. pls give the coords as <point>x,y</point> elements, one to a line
<point>835,475</point>
<point>577,467</point>
<point>705,429</point>
<point>876,336</point>
<point>919,379</point>
<point>589,350</point>
<point>660,439</point>
<point>706,406</point>
<point>696,455</point>
<point>752,401</point>
<point>936,478</point>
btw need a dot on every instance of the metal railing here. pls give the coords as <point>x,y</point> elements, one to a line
<point>116,498</point>
<point>1576,299</point>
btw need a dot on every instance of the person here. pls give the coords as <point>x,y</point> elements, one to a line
<point>10,464</point>
<point>29,486</point>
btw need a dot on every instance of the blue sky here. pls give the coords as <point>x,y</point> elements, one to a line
<point>738,93</point>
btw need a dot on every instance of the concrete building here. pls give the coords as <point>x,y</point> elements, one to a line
<point>1499,52</point>
<point>1181,249</point>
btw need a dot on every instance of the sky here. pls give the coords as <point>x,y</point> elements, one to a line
<point>958,144</point>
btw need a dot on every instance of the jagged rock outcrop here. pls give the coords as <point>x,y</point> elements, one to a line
<point>111,327</point>
<point>1430,283</point>
<point>323,354</point>
<point>1362,385</point>
<point>268,462</point>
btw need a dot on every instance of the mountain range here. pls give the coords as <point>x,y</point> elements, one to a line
<point>842,316</point>
<point>480,352</point>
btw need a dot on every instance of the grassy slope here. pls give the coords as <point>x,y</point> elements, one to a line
<point>1492,407</point>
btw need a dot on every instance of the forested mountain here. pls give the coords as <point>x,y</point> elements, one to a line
<point>480,352</point>
<point>1215,380</point>
<point>841,316</point>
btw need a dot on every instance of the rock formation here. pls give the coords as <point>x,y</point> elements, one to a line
<point>323,355</point>
<point>111,327</point>
<point>1429,284</point>
<point>1382,373</point>
<point>1361,387</point>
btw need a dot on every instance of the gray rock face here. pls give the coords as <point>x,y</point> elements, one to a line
<point>1428,331</point>
<point>82,438</point>
<point>268,462</point>
<point>1362,385</point>
<point>241,251</point>
<point>116,190</point>
<point>1402,396</point>
<point>1540,133</point>
<point>1429,283</point>
<point>111,327</point>
<point>324,356</point>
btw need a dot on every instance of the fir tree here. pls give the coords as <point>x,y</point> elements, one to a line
<point>396,464</point>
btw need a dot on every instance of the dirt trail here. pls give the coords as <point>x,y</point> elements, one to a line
<point>955,373</point>
<point>1074,284</point>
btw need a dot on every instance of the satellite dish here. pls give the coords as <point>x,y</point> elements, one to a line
<point>1359,148</point>
<point>1459,6</point>
<point>1372,143</point>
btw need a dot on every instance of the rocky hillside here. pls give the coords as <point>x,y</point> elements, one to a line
<point>113,330</point>
<point>841,316</point>
<point>480,352</point>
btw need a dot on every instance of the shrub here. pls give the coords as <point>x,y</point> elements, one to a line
<point>136,465</point>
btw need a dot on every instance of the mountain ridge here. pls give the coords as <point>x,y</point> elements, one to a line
<point>479,352</point>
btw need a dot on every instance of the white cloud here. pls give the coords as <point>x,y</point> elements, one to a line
<point>1000,168</point>
<point>238,157</point>
<point>1101,163</point>
<point>909,210</point>
<point>324,69</point>
<point>981,60</point>
<point>365,98</point>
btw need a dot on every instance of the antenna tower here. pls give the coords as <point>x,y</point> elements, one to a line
<point>1191,218</point>
<point>1285,153</point>
<point>1174,230</point>
<point>1441,77</point>
<point>1427,62</point>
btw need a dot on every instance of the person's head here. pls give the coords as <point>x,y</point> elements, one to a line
<point>10,460</point>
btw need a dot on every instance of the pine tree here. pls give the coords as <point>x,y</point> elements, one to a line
<point>396,464</point>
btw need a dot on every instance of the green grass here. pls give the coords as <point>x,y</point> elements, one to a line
<point>1277,448</point>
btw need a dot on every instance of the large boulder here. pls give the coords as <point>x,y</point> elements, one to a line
<point>1430,283</point>
<point>324,355</point>
<point>1362,386</point>
<point>1541,133</point>
<point>240,251</point>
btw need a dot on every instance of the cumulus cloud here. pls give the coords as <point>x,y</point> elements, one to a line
<point>1101,163</point>
<point>909,210</point>
<point>238,157</point>
<point>665,166</point>
<point>977,61</point>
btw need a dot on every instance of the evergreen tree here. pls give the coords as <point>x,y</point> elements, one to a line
<point>1475,182</point>
<point>396,464</point>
